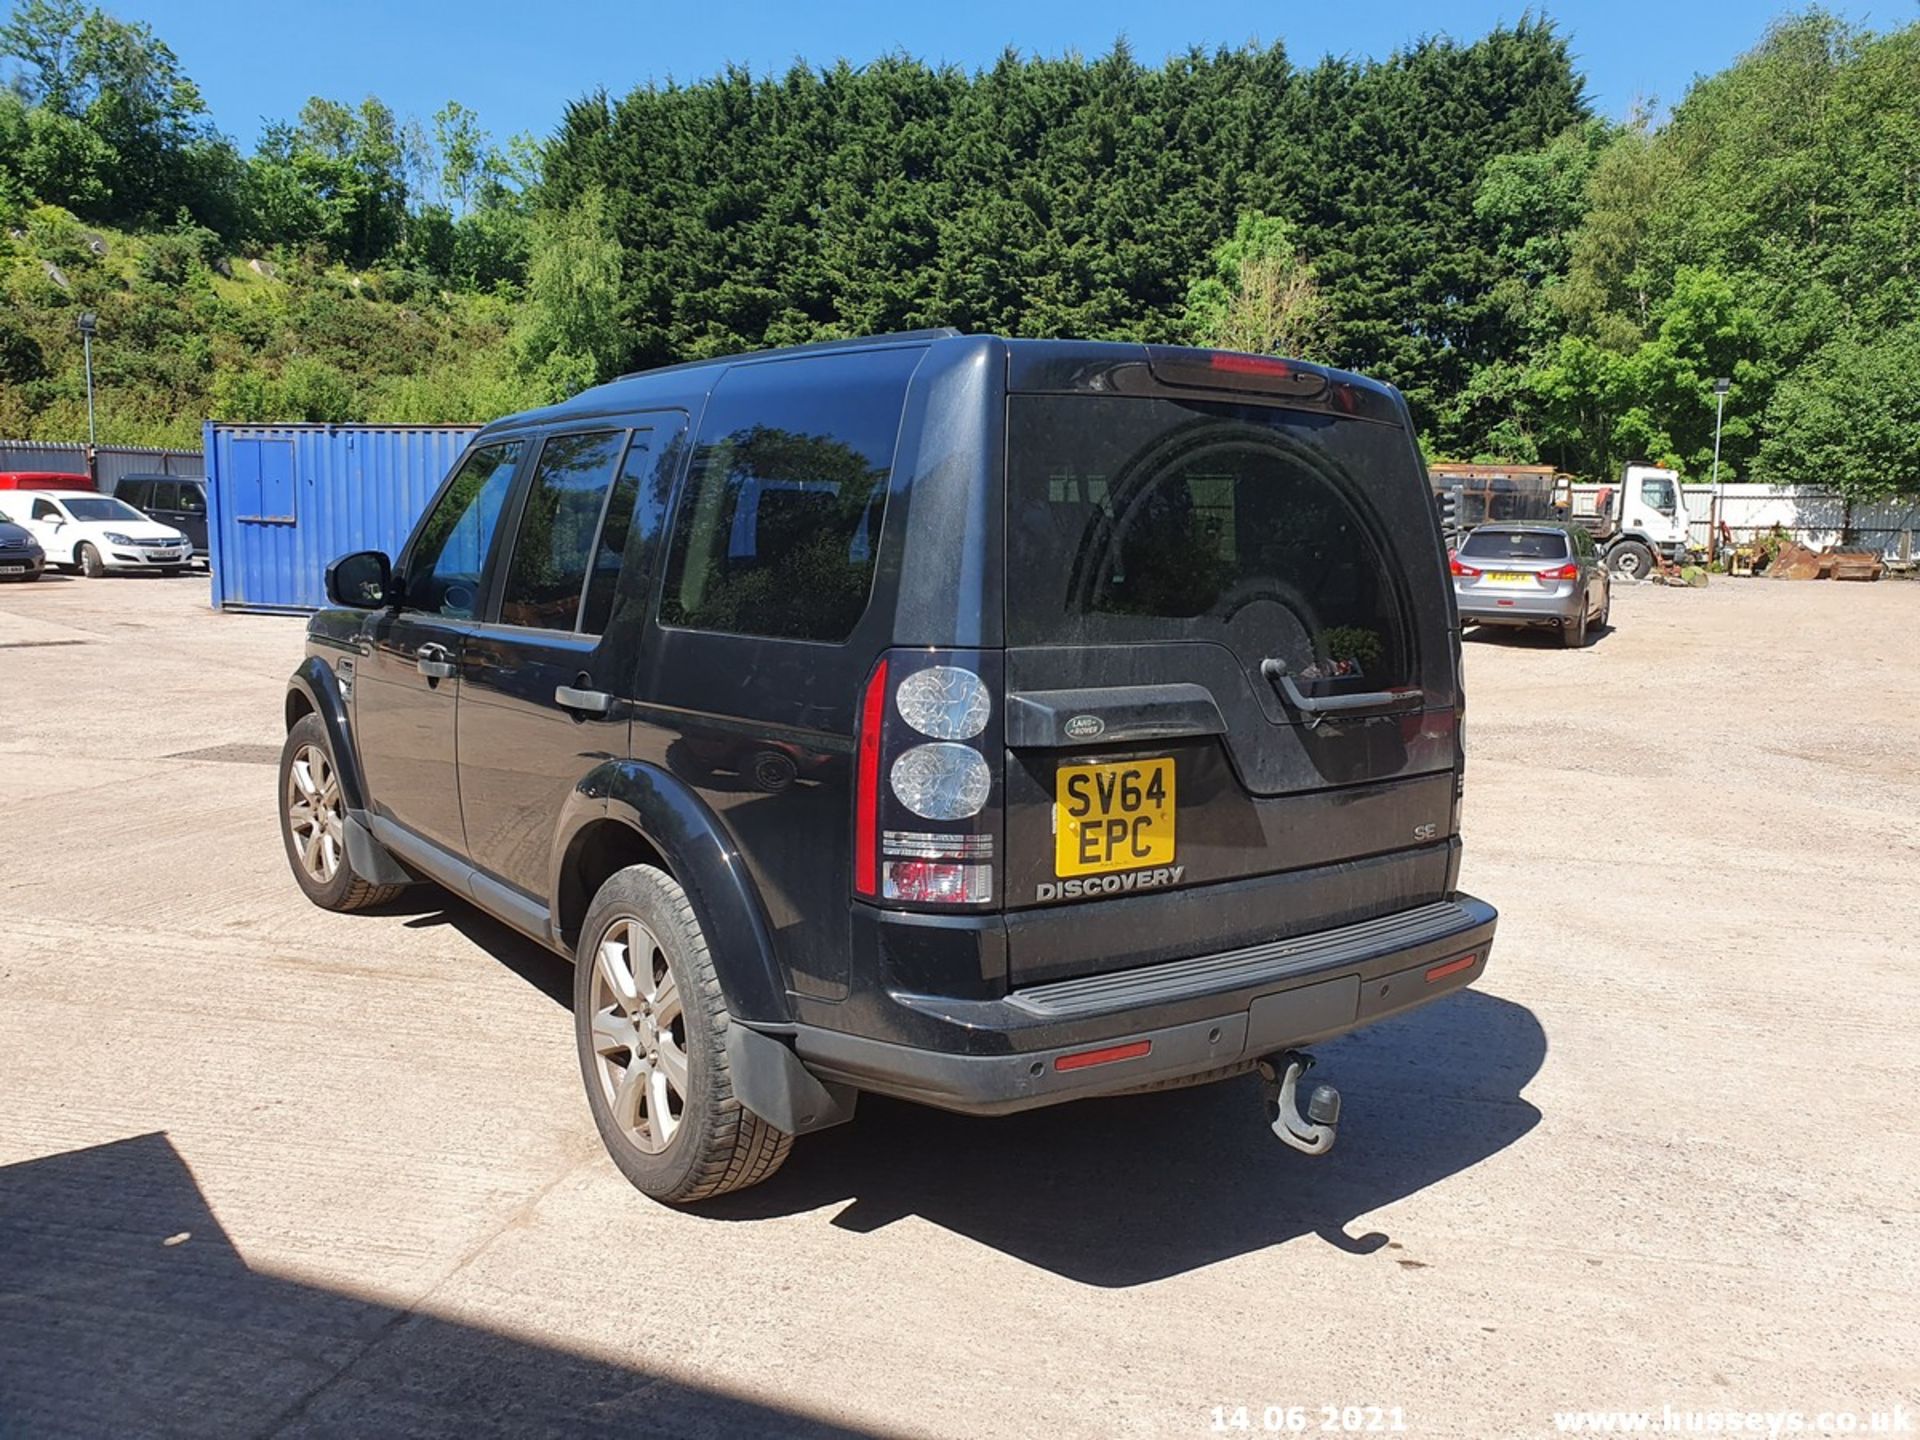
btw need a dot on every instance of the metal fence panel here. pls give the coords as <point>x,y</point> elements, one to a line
<point>1809,514</point>
<point>111,462</point>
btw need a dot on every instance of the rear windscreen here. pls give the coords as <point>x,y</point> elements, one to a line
<point>1515,545</point>
<point>1135,519</point>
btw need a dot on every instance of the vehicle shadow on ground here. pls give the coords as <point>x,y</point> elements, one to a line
<point>125,1309</point>
<point>1528,637</point>
<point>427,906</point>
<point>1133,1189</point>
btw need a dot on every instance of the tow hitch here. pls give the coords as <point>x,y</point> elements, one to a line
<point>1313,1134</point>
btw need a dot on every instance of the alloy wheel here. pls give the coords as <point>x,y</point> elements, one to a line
<point>639,1035</point>
<point>314,813</point>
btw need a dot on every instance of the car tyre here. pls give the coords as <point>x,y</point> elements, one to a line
<point>1630,558</point>
<point>87,561</point>
<point>313,823</point>
<point>1573,634</point>
<point>650,1026</point>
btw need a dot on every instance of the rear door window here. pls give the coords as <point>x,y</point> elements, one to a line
<point>778,528</point>
<point>163,496</point>
<point>1496,544</point>
<point>635,510</point>
<point>1134,519</point>
<point>559,530</point>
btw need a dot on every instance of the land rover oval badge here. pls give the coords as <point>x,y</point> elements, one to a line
<point>1084,727</point>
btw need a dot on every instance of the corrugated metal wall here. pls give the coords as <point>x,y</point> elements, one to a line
<point>283,501</point>
<point>111,461</point>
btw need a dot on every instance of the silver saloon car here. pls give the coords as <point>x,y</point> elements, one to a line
<point>1548,575</point>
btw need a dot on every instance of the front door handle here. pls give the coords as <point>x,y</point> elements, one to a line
<point>434,661</point>
<point>586,702</point>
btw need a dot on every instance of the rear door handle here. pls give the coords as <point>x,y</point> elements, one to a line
<point>1320,706</point>
<point>434,661</point>
<point>587,702</point>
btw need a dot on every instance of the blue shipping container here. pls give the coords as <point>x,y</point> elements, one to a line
<point>284,501</point>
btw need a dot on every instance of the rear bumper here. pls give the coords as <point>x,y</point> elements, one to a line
<point>1493,608</point>
<point>1172,1021</point>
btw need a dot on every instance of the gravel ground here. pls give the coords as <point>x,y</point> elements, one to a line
<point>268,1170</point>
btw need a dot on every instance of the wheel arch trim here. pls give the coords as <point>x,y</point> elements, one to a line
<point>697,852</point>
<point>316,682</point>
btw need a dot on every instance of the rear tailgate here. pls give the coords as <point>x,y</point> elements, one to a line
<point>1230,655</point>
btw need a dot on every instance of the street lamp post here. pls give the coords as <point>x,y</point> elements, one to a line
<point>1720,388</point>
<point>88,322</point>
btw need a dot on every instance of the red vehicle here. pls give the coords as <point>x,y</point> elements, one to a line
<point>44,480</point>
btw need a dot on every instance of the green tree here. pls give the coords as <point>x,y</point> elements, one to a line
<point>335,177</point>
<point>570,335</point>
<point>1850,417</point>
<point>1774,218</point>
<point>151,151</point>
<point>1261,294</point>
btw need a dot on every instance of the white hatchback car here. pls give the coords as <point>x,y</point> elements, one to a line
<point>96,533</point>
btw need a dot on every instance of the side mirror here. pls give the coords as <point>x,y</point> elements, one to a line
<point>362,581</point>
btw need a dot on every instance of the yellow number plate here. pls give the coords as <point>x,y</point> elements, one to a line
<point>1509,577</point>
<point>1112,817</point>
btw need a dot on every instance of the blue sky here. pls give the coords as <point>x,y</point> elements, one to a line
<point>518,63</point>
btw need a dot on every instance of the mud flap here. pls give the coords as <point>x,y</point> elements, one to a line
<point>769,1080</point>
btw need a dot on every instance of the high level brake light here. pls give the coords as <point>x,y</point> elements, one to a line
<point>924,821</point>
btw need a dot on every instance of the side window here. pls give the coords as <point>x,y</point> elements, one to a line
<point>558,527</point>
<point>779,525</point>
<point>1658,493</point>
<point>45,510</point>
<point>134,492</point>
<point>193,499</point>
<point>443,573</point>
<point>638,505</point>
<point>163,495</point>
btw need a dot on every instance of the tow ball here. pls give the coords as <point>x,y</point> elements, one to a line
<point>1313,1133</point>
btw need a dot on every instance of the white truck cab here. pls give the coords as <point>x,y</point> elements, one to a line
<point>1642,516</point>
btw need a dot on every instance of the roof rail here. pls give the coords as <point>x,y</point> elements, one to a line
<point>941,332</point>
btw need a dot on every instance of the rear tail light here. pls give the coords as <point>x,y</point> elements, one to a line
<point>1453,564</point>
<point>926,811</point>
<point>866,785</point>
<point>1565,572</point>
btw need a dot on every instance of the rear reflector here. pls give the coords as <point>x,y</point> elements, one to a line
<point>934,882</point>
<point>1452,967</point>
<point>866,790</point>
<point>1080,1060</point>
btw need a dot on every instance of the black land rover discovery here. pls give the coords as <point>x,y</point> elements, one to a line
<point>990,723</point>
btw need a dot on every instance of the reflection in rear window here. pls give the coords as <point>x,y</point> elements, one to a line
<point>1134,519</point>
<point>1495,544</point>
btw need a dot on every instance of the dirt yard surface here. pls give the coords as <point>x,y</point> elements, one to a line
<point>265,1170</point>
